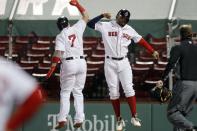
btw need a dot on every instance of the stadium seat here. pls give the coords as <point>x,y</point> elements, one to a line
<point>140,74</point>
<point>4,40</point>
<point>46,60</point>
<point>14,55</point>
<point>38,53</point>
<point>99,50</point>
<point>97,57</point>
<point>92,70</point>
<point>40,72</point>
<point>162,63</point>
<point>154,76</point>
<point>22,39</point>
<point>43,47</point>
<point>164,55</point>
<point>159,46</point>
<point>44,66</point>
<point>29,60</point>
<point>144,63</point>
<point>44,40</point>
<point>87,51</point>
<point>153,39</point>
<point>19,48</point>
<point>2,51</point>
<point>28,67</point>
<point>94,64</point>
<point>90,43</point>
<point>140,64</point>
<point>145,56</point>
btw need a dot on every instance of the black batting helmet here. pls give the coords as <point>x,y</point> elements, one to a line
<point>62,22</point>
<point>124,13</point>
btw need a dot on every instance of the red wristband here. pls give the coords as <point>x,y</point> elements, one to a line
<point>146,45</point>
<point>80,8</point>
<point>55,59</point>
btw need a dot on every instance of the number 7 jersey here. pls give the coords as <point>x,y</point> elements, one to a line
<point>70,40</point>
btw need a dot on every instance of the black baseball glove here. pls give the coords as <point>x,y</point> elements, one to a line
<point>162,94</point>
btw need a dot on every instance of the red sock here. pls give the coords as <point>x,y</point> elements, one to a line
<point>116,107</point>
<point>132,104</point>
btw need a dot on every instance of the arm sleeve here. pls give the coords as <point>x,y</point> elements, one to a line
<point>80,26</point>
<point>93,21</point>
<point>146,45</point>
<point>59,43</point>
<point>175,55</point>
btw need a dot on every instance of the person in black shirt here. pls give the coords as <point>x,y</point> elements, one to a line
<point>185,89</point>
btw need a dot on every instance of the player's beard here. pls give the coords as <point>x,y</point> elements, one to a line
<point>121,21</point>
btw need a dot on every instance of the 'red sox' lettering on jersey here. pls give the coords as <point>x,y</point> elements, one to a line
<point>112,33</point>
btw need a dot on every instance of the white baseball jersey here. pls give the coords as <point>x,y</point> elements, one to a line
<point>15,87</point>
<point>116,39</point>
<point>70,40</point>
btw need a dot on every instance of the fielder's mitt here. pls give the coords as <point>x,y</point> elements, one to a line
<point>162,94</point>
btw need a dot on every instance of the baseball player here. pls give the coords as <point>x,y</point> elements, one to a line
<point>69,50</point>
<point>18,91</point>
<point>117,36</point>
<point>184,92</point>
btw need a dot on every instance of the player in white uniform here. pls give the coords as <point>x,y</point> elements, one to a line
<point>18,91</point>
<point>117,36</point>
<point>69,50</point>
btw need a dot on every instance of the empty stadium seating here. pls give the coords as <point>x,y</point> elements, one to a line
<point>34,56</point>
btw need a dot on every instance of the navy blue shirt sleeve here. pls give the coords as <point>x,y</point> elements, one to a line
<point>93,21</point>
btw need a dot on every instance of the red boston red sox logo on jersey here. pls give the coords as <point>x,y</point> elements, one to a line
<point>128,37</point>
<point>72,39</point>
<point>112,33</point>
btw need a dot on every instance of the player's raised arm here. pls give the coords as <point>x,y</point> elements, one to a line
<point>145,44</point>
<point>93,21</point>
<point>82,10</point>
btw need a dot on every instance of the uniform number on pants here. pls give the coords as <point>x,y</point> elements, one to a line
<point>72,39</point>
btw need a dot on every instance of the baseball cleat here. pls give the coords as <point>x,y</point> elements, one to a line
<point>120,124</point>
<point>135,121</point>
<point>77,124</point>
<point>60,125</point>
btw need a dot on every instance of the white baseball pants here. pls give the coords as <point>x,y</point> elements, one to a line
<point>72,79</point>
<point>115,71</point>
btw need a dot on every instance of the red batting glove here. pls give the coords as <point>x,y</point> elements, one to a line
<point>76,3</point>
<point>56,60</point>
<point>50,72</point>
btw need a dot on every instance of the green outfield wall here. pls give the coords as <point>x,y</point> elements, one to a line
<point>99,117</point>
